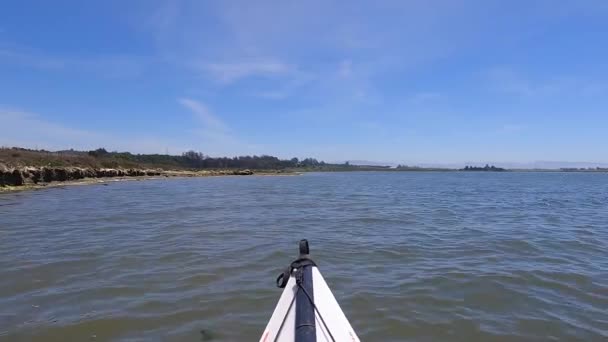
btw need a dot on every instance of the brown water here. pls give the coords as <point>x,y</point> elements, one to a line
<point>410,256</point>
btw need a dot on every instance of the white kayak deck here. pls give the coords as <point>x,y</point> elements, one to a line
<point>281,326</point>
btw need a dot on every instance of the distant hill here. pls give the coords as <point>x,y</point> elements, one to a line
<point>535,165</point>
<point>370,163</point>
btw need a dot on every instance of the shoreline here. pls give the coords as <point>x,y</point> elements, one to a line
<point>31,178</point>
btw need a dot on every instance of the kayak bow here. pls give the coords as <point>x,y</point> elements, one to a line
<point>307,310</point>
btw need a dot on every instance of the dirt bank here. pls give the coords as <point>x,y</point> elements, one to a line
<point>29,177</point>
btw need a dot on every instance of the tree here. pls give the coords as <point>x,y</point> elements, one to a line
<point>98,152</point>
<point>310,162</point>
<point>194,159</point>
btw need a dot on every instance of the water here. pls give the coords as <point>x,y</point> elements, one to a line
<point>409,256</point>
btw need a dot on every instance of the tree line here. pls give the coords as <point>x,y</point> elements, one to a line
<point>198,160</point>
<point>485,168</point>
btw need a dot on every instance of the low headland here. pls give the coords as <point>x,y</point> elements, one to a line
<point>22,169</point>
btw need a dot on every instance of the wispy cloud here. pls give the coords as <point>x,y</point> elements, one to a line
<point>113,66</point>
<point>423,97</point>
<point>295,83</point>
<point>39,130</point>
<point>204,115</point>
<point>275,41</point>
<point>42,133</point>
<point>373,128</point>
<point>212,134</point>
<point>511,81</point>
<point>277,94</point>
<point>30,60</point>
<point>208,133</point>
<point>227,73</point>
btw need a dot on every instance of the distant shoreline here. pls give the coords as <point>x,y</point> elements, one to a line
<point>23,169</point>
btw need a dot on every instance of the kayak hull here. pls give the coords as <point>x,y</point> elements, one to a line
<point>329,317</point>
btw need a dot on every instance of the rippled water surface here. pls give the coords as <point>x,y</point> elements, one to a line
<point>409,256</point>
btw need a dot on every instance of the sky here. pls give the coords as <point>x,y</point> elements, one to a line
<point>414,82</point>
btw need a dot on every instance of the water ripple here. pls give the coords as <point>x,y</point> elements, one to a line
<point>410,256</point>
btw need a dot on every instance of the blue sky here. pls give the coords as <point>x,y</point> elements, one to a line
<point>400,81</point>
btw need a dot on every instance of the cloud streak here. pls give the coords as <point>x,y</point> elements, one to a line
<point>228,73</point>
<point>209,134</point>
<point>109,66</point>
<point>212,134</point>
<point>510,81</point>
<point>41,133</point>
<point>204,115</point>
